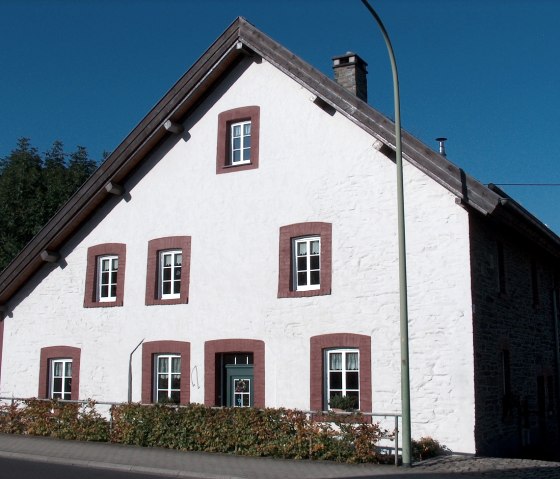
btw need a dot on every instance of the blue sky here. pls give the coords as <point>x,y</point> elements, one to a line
<point>484,73</point>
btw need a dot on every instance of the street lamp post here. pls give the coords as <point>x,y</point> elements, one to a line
<point>405,377</point>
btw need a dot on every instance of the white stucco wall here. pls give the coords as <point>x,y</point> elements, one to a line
<point>313,167</point>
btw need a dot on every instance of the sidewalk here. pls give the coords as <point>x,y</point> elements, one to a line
<point>197,465</point>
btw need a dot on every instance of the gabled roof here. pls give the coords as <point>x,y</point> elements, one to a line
<point>238,41</point>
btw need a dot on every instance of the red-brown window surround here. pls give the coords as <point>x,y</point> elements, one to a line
<point>91,299</point>
<point>151,348</point>
<point>339,340</point>
<point>211,348</point>
<point>225,119</point>
<point>155,246</point>
<point>59,352</point>
<point>286,287</point>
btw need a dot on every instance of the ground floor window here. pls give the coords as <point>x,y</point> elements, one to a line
<point>234,379</point>
<point>60,384</point>
<point>168,378</point>
<point>342,368</point>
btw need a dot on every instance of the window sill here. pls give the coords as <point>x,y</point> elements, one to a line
<point>304,294</point>
<point>104,304</point>
<point>170,301</point>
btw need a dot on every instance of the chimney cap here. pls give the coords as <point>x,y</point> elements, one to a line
<point>348,58</point>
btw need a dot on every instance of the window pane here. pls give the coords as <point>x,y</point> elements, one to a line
<point>302,263</point>
<point>302,279</point>
<point>176,287</point>
<point>162,365</point>
<point>315,279</point>
<point>104,291</point>
<point>247,142</point>
<point>162,396</point>
<point>166,260</point>
<point>116,264</point>
<point>104,278</point>
<point>302,249</point>
<point>176,365</point>
<point>236,143</point>
<point>67,397</point>
<point>163,381</point>
<point>314,260</point>
<point>335,361</point>
<point>352,381</point>
<point>57,384</point>
<point>57,396</point>
<point>178,259</point>
<point>236,156</point>
<point>246,154</point>
<point>114,277</point>
<point>175,381</point>
<point>356,396</point>
<point>177,272</point>
<point>68,371</point>
<point>68,385</point>
<point>247,129</point>
<point>166,287</point>
<point>57,368</point>
<point>175,396</point>
<point>315,249</point>
<point>335,380</point>
<point>352,361</point>
<point>166,274</point>
<point>114,291</point>
<point>105,265</point>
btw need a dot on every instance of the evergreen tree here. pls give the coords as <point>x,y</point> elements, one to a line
<point>33,189</point>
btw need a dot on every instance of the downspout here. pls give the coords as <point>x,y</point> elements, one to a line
<point>130,371</point>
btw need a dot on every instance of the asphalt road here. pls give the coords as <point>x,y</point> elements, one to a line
<point>20,469</point>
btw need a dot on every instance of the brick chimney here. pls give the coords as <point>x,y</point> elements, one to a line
<point>350,71</point>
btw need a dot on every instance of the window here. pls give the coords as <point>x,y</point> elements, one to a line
<point>107,267</point>
<point>342,374</point>
<point>168,270</point>
<point>170,273</point>
<point>234,373</point>
<point>307,271</point>
<point>105,271</point>
<point>59,373</point>
<point>60,379</point>
<point>240,152</point>
<point>340,365</point>
<point>167,379</point>
<point>165,371</point>
<point>238,139</point>
<point>305,260</point>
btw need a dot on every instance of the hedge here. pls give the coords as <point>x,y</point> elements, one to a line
<point>280,433</point>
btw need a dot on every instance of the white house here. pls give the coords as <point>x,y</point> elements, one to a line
<point>245,234</point>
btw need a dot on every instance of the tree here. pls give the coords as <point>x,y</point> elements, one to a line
<point>32,189</point>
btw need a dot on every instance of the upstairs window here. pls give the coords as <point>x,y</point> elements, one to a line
<point>238,139</point>
<point>307,263</point>
<point>170,274</point>
<point>240,153</point>
<point>60,384</point>
<point>105,272</point>
<point>305,260</point>
<point>168,270</point>
<point>108,267</point>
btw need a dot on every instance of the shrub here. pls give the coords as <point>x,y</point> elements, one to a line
<point>426,447</point>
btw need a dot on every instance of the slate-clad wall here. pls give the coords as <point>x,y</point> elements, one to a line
<point>515,320</point>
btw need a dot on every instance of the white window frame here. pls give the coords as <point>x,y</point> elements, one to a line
<point>63,393</point>
<point>173,268</point>
<point>100,284</point>
<point>243,147</point>
<point>344,390</point>
<point>168,389</point>
<point>307,240</point>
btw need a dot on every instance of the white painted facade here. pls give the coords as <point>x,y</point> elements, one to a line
<point>313,167</point>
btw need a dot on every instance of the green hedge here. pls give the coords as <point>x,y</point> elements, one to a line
<point>280,433</point>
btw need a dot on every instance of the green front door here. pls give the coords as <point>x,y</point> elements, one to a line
<point>239,385</point>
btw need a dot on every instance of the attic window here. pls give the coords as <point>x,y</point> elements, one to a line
<point>238,139</point>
